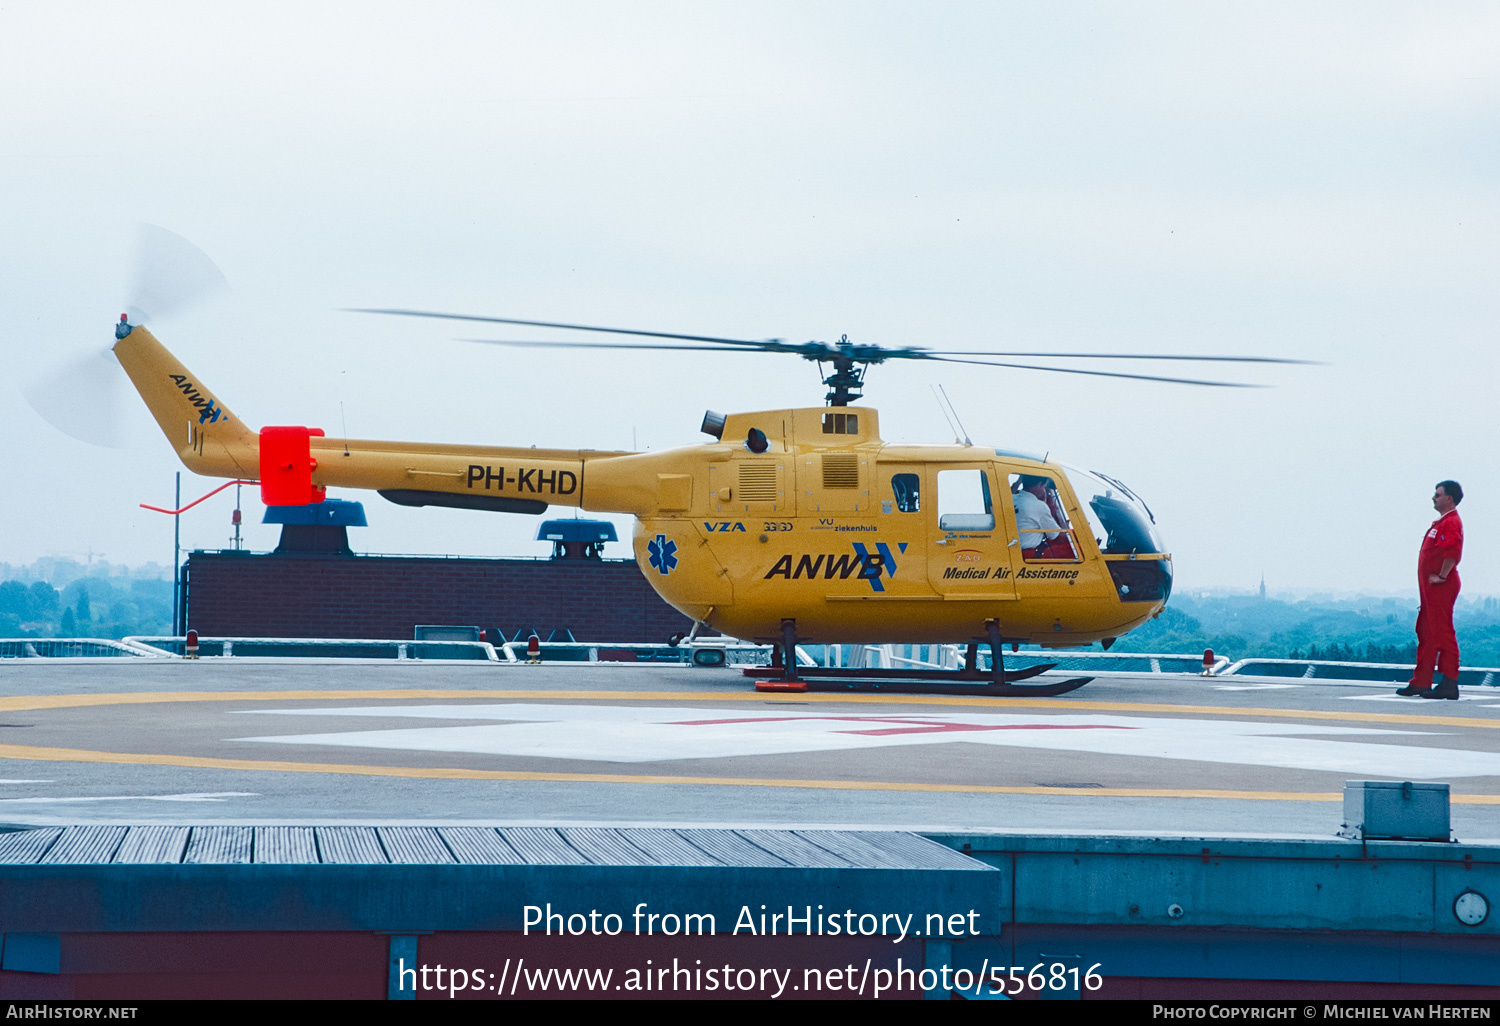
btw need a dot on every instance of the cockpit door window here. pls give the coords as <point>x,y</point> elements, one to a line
<point>970,554</point>
<point>964,502</point>
<point>907,491</point>
<point>1041,521</point>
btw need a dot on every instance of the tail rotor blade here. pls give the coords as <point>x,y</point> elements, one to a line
<point>84,398</point>
<point>170,275</point>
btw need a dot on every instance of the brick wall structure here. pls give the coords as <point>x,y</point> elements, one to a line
<point>295,595</point>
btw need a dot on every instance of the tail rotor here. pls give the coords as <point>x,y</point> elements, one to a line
<point>85,394</point>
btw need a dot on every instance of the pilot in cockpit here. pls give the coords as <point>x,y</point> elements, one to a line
<point>1038,514</point>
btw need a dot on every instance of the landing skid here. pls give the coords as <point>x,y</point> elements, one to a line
<point>998,682</point>
<point>964,677</point>
<point>910,686</point>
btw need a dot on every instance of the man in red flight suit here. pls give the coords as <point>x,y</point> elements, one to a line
<point>1438,583</point>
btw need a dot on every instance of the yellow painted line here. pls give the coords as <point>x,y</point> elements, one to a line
<point>20,703</point>
<point>454,773</point>
<point>38,754</point>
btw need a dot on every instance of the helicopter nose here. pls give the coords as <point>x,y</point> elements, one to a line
<point>1141,580</point>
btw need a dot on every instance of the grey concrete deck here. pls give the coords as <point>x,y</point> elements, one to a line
<point>449,744</point>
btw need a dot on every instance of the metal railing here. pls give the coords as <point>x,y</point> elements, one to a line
<point>324,648</point>
<point>1327,669</point>
<point>73,648</point>
<point>736,653</point>
<point>950,657</point>
<point>1116,662</point>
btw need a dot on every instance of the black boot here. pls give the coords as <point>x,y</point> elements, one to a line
<point>1447,687</point>
<point>1411,691</point>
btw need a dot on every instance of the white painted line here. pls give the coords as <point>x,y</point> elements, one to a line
<point>1253,687</point>
<point>205,796</point>
<point>1421,703</point>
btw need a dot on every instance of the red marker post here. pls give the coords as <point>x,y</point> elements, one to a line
<point>1208,662</point>
<point>533,649</point>
<point>192,645</point>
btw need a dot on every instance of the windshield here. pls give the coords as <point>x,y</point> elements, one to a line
<point>1121,521</point>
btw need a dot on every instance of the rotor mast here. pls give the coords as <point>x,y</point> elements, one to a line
<point>846,383</point>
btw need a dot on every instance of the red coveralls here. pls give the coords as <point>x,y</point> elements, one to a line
<point>1436,642</point>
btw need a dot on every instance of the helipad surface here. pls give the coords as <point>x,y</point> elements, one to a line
<point>443,743</point>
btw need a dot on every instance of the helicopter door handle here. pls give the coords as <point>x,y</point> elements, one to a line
<point>942,541</point>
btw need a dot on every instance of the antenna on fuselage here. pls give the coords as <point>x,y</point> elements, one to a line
<point>946,405</point>
<point>946,415</point>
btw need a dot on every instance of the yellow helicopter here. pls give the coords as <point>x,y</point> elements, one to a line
<point>786,526</point>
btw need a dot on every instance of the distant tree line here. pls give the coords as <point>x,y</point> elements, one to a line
<point>1370,653</point>
<point>93,607</point>
<point>1357,630</point>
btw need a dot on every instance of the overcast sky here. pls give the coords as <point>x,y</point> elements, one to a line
<point>1302,179</point>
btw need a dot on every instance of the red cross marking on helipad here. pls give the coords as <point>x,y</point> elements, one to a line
<point>911,726</point>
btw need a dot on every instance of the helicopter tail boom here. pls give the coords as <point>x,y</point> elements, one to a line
<point>295,465</point>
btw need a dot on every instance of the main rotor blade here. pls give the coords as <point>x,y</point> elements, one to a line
<point>1131,356</point>
<point>1100,374</point>
<point>779,345</point>
<point>554,324</point>
<point>795,351</point>
<point>601,345</point>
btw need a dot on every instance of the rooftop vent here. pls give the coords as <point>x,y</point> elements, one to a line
<point>577,539</point>
<point>758,482</point>
<point>840,470</point>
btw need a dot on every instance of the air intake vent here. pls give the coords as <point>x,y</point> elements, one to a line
<point>757,482</point>
<point>841,470</point>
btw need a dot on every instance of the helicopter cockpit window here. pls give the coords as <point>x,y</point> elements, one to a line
<point>907,488</point>
<point>841,423</point>
<point>1121,521</point>
<point>964,501</point>
<point>1041,520</point>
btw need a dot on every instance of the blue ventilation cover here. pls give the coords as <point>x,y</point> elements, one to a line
<point>586,532</point>
<point>328,513</point>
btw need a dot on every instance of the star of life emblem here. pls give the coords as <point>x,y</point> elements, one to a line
<point>662,552</point>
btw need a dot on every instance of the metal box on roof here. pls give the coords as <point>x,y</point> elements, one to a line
<point>1395,810</point>
<point>445,632</point>
<point>584,531</point>
<point>576,539</point>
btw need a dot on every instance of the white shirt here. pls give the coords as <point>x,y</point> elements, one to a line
<point>1033,513</point>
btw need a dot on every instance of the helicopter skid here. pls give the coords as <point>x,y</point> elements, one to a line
<point>906,685</point>
<point>967,679</point>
